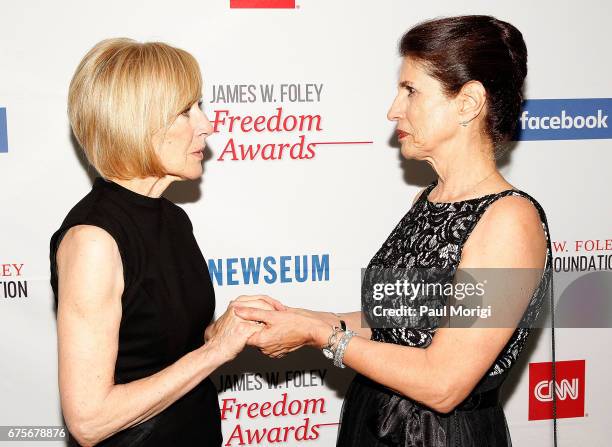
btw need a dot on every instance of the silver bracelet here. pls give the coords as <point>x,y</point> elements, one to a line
<point>328,349</point>
<point>342,344</point>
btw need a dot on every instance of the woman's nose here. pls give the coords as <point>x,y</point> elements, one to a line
<point>205,124</point>
<point>394,112</point>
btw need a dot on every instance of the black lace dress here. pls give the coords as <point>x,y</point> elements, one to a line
<point>431,235</point>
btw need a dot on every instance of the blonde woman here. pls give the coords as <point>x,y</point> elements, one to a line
<point>132,290</point>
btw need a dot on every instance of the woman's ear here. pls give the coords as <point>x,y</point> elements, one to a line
<point>470,101</point>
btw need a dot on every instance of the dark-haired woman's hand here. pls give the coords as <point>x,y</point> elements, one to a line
<point>284,332</point>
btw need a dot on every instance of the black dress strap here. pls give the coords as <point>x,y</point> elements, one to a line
<point>425,192</point>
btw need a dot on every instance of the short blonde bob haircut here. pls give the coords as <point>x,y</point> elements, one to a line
<point>121,94</point>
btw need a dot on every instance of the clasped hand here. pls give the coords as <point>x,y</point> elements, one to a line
<point>267,324</point>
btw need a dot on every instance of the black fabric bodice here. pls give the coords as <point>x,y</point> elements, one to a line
<point>167,302</point>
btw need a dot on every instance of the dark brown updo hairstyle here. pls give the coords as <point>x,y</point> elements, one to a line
<point>459,49</point>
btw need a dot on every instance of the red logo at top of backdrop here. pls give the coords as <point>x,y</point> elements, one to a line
<point>286,4</point>
<point>569,387</point>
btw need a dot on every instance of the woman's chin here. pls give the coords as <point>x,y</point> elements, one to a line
<point>410,152</point>
<point>407,151</point>
<point>194,173</point>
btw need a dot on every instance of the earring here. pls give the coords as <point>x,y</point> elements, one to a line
<point>464,123</point>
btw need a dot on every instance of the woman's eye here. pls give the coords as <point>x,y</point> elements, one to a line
<point>186,111</point>
<point>410,90</point>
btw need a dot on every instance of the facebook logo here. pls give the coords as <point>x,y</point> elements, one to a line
<point>3,132</point>
<point>565,119</point>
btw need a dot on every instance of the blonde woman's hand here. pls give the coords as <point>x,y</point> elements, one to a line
<point>255,301</point>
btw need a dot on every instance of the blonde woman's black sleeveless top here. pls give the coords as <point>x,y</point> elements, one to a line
<point>167,302</point>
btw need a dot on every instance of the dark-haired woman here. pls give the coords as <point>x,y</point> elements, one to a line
<point>459,97</point>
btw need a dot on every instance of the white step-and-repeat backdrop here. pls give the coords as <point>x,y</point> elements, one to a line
<point>328,71</point>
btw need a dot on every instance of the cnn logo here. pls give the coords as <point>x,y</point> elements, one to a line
<point>565,389</point>
<point>568,386</point>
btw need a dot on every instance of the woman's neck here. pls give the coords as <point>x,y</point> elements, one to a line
<point>148,186</point>
<point>464,172</point>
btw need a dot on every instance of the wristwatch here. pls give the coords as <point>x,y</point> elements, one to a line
<point>328,349</point>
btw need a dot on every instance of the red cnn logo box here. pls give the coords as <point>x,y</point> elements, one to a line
<point>282,4</point>
<point>569,387</point>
